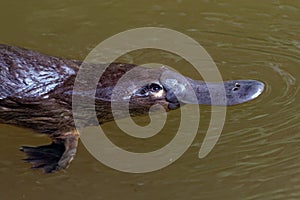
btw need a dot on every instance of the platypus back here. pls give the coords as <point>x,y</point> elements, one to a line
<point>25,73</point>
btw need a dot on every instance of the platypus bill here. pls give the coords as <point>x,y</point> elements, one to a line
<point>36,93</point>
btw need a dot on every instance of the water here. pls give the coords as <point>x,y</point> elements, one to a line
<point>256,156</point>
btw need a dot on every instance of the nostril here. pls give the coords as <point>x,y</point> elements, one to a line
<point>237,85</point>
<point>235,88</point>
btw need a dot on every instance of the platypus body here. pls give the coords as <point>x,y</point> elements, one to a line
<point>36,92</point>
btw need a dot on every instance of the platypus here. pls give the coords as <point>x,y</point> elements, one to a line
<point>36,92</point>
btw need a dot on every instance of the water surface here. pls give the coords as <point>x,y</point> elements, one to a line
<point>257,155</point>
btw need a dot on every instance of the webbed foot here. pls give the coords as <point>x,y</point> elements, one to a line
<point>45,157</point>
<point>54,156</point>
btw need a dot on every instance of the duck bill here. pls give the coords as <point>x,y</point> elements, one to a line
<point>187,91</point>
<point>225,93</point>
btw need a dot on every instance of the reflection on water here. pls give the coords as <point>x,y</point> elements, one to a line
<point>257,156</point>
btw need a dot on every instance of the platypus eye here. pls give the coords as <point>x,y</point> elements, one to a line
<point>154,87</point>
<point>151,88</point>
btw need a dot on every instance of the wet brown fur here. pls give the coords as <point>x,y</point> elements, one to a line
<point>44,103</point>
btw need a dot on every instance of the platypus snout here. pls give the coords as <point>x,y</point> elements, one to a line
<point>180,89</point>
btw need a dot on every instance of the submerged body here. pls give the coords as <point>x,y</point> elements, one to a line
<point>36,92</point>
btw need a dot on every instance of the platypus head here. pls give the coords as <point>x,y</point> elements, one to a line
<point>145,87</point>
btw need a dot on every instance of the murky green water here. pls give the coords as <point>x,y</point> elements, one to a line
<point>257,155</point>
